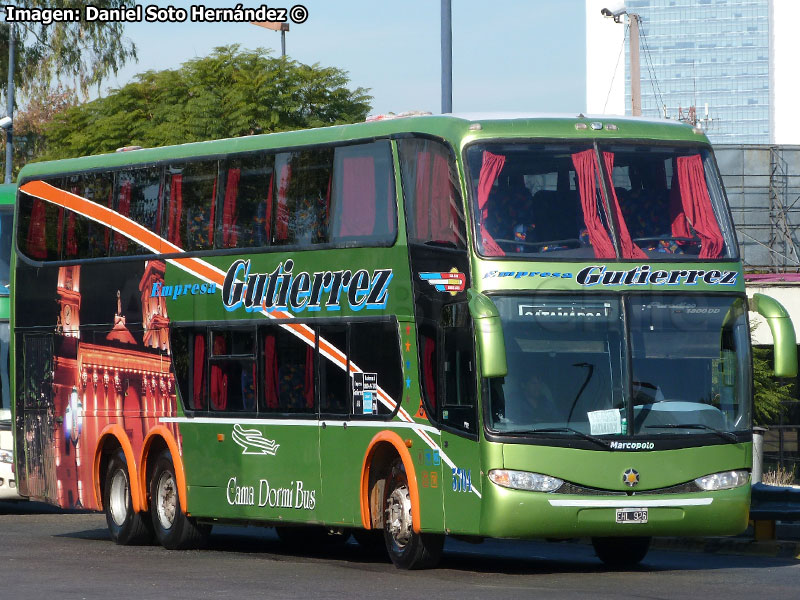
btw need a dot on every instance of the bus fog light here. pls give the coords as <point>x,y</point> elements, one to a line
<point>523,480</point>
<point>725,480</point>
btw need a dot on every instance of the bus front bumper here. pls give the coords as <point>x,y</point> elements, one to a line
<point>510,513</point>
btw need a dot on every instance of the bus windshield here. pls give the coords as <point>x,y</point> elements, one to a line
<point>568,365</point>
<point>573,201</point>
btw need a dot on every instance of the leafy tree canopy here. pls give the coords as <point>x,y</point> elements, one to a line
<point>230,93</point>
<point>79,54</point>
<point>771,396</point>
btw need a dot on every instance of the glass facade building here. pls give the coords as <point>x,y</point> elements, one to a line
<point>695,53</point>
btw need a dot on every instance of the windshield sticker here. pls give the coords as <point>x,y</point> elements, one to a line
<point>643,275</point>
<point>284,290</point>
<point>602,422</point>
<point>453,281</point>
<point>521,274</point>
<point>569,311</point>
<point>365,393</point>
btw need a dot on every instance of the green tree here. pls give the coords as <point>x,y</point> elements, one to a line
<point>78,54</point>
<point>230,93</point>
<point>771,396</point>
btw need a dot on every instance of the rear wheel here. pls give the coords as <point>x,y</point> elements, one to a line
<point>621,552</point>
<point>126,526</point>
<point>407,548</point>
<point>174,530</point>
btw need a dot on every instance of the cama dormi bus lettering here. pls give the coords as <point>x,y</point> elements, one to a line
<point>295,496</point>
<point>644,275</point>
<point>296,292</point>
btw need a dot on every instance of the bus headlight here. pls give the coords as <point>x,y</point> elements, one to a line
<point>6,456</point>
<point>723,481</point>
<point>523,480</point>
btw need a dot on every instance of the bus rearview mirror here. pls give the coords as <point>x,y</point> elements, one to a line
<point>780,324</point>
<point>488,335</point>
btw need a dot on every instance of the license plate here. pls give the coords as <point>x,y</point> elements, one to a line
<point>631,515</point>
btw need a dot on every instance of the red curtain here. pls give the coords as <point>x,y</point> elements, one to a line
<point>123,208</point>
<point>230,235</point>
<point>219,378</point>
<point>175,210</point>
<point>60,230</point>
<point>627,246</point>
<point>587,169</point>
<point>490,169</point>
<point>199,372</point>
<point>268,211</point>
<point>212,217</point>
<point>270,373</point>
<point>357,211</point>
<point>72,240</point>
<point>690,205</point>
<point>308,387</point>
<point>36,240</point>
<point>282,210</point>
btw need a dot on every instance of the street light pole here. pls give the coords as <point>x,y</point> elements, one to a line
<point>12,43</point>
<point>447,58</point>
<point>275,26</point>
<point>636,78</point>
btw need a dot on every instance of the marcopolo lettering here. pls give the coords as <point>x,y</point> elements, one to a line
<point>645,275</point>
<point>632,445</point>
<point>284,289</point>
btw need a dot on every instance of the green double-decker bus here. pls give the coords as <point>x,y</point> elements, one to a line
<point>529,327</point>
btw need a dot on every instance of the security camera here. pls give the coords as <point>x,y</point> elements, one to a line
<point>615,14</point>
<point>5,122</point>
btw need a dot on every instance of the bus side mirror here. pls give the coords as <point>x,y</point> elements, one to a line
<point>488,335</point>
<point>782,333</point>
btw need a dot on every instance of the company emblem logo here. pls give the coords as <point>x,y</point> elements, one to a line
<point>253,442</point>
<point>453,281</point>
<point>630,477</point>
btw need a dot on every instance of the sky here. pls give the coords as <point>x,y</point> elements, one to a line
<point>508,55</point>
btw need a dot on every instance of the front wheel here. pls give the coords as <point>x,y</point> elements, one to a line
<point>174,530</point>
<point>407,548</point>
<point>126,526</point>
<point>621,552</point>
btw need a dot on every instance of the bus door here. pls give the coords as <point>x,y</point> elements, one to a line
<point>457,414</point>
<point>37,465</point>
<point>354,408</point>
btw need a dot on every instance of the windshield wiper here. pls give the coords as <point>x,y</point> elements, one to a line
<point>585,436</point>
<point>724,434</point>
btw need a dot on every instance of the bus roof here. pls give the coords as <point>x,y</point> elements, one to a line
<point>459,129</point>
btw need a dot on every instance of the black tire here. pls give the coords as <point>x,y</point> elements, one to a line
<point>173,529</point>
<point>406,548</point>
<point>126,526</point>
<point>621,552</point>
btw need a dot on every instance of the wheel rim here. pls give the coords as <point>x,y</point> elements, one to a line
<point>166,500</point>
<point>119,497</point>
<point>398,516</point>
